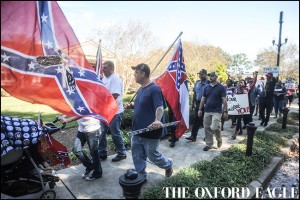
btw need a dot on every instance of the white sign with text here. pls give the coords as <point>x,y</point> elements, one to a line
<point>238,104</point>
<point>274,70</point>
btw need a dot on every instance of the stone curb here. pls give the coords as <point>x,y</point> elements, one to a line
<point>268,173</point>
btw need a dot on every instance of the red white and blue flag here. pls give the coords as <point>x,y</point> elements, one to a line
<point>173,83</point>
<point>42,62</point>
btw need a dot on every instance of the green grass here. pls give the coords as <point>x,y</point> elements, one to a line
<point>231,169</point>
<point>14,107</point>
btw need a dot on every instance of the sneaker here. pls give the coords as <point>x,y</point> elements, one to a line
<point>103,157</point>
<point>191,138</point>
<point>118,158</point>
<point>232,137</point>
<point>206,148</point>
<point>172,139</point>
<point>172,144</point>
<point>86,173</point>
<point>219,143</point>
<point>93,176</point>
<point>169,172</point>
<point>262,123</point>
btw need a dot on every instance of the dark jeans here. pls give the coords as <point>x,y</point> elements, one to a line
<point>198,121</point>
<point>172,129</point>
<point>265,108</point>
<point>248,118</point>
<point>278,105</point>
<point>116,135</point>
<point>92,139</point>
<point>238,127</point>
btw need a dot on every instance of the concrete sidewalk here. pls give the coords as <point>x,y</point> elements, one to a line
<point>184,154</point>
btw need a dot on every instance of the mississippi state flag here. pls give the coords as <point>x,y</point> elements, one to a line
<point>42,62</point>
<point>173,83</point>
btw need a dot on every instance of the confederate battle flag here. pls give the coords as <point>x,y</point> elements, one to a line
<point>173,83</point>
<point>42,62</point>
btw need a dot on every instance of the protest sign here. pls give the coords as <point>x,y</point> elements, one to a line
<point>238,104</point>
<point>274,70</point>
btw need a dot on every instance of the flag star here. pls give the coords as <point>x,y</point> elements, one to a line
<point>5,57</point>
<point>31,65</point>
<point>70,91</point>
<point>49,44</point>
<point>44,18</point>
<point>81,72</point>
<point>80,108</point>
<point>59,70</point>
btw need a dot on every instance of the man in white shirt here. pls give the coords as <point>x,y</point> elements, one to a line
<point>115,86</point>
<point>88,132</point>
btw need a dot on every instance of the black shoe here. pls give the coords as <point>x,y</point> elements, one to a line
<point>118,158</point>
<point>206,148</point>
<point>172,144</point>
<point>172,140</point>
<point>86,173</point>
<point>219,144</point>
<point>244,127</point>
<point>262,123</point>
<point>168,172</point>
<point>265,124</point>
<point>232,137</point>
<point>201,126</point>
<point>93,176</point>
<point>255,114</point>
<point>191,138</point>
<point>103,157</point>
<point>240,133</point>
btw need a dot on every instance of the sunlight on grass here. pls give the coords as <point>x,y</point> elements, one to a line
<point>14,107</point>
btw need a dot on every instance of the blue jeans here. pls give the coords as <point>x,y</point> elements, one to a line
<point>92,139</point>
<point>142,148</point>
<point>114,126</point>
<point>278,105</point>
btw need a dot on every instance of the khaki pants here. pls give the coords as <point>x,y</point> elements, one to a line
<point>212,125</point>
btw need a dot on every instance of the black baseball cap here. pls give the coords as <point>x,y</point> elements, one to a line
<point>213,74</point>
<point>202,71</point>
<point>142,67</point>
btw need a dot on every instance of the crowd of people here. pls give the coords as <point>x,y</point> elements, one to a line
<point>210,109</point>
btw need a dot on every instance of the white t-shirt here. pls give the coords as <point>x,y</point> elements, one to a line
<point>88,124</point>
<point>115,86</point>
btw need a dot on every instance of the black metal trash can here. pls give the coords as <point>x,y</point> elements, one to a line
<point>131,183</point>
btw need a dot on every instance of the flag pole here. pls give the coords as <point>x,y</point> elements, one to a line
<point>98,60</point>
<point>159,62</point>
<point>166,52</point>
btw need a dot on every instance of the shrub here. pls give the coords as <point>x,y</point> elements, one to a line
<point>231,169</point>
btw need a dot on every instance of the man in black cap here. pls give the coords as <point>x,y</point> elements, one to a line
<point>148,112</point>
<point>266,99</point>
<point>213,97</point>
<point>198,89</point>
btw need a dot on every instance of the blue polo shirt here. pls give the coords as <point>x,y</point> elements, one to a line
<point>198,88</point>
<point>213,95</point>
<point>147,100</point>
